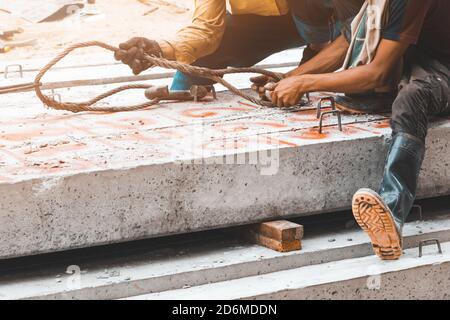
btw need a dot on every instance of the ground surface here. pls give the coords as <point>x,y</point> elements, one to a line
<point>112,25</point>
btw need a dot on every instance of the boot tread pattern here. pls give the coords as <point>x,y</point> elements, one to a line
<point>376,220</point>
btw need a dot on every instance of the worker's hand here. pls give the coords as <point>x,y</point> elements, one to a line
<point>288,92</point>
<point>258,84</point>
<point>132,53</point>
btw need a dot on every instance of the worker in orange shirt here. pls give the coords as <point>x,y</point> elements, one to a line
<point>242,36</point>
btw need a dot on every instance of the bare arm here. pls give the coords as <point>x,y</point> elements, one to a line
<point>329,59</point>
<point>363,78</point>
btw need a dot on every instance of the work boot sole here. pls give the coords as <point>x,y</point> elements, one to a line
<point>375,218</point>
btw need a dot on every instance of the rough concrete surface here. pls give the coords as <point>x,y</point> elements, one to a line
<point>76,180</point>
<point>203,259</point>
<point>361,278</point>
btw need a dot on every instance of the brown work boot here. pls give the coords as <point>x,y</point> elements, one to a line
<point>377,220</point>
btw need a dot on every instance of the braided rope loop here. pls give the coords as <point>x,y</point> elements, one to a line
<point>215,75</point>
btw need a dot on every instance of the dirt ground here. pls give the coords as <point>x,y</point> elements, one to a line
<point>117,21</point>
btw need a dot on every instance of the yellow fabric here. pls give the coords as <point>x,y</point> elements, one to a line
<point>259,7</point>
<point>202,37</point>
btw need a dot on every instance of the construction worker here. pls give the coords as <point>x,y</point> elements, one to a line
<point>386,36</point>
<point>253,30</point>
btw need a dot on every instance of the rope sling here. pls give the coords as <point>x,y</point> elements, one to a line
<point>90,105</point>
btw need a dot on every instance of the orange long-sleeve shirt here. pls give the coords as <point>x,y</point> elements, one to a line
<point>202,37</point>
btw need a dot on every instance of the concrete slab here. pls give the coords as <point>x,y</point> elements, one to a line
<point>210,258</point>
<point>77,180</point>
<point>361,278</point>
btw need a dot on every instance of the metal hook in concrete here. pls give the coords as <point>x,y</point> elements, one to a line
<point>321,114</point>
<point>427,242</point>
<point>20,69</point>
